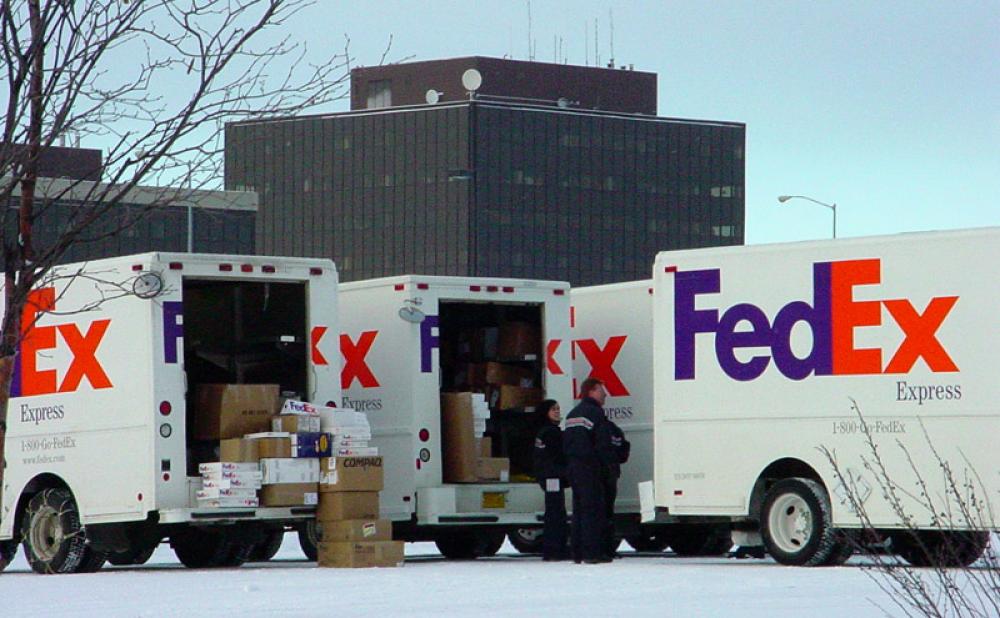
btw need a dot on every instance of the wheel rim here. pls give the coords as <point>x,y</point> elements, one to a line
<point>46,533</point>
<point>528,535</point>
<point>790,523</point>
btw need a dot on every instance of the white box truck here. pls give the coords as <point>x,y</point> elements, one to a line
<point>612,329</point>
<point>100,454</point>
<point>765,356</point>
<point>405,341</point>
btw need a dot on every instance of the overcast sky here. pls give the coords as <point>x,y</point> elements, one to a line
<point>889,109</point>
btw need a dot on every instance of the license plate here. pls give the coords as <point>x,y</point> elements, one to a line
<point>494,500</point>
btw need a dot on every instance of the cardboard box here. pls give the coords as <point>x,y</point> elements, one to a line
<point>493,469</point>
<point>222,469</point>
<point>313,444</point>
<point>289,470</point>
<point>296,423</point>
<point>519,339</point>
<point>356,530</point>
<point>215,493</point>
<point>355,451</point>
<point>289,494</point>
<point>292,406</point>
<point>358,555</point>
<point>481,374</point>
<point>508,397</point>
<point>458,438</point>
<point>224,411</point>
<point>350,474</point>
<point>238,450</point>
<point>485,447</point>
<point>341,505</point>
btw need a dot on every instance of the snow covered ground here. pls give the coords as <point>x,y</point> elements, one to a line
<point>509,584</point>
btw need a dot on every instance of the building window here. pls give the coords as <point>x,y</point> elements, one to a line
<point>379,93</point>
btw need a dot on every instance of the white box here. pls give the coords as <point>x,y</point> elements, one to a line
<point>266,434</point>
<point>289,470</point>
<point>306,423</point>
<point>332,418</point>
<point>367,451</point>
<point>292,406</point>
<point>219,467</point>
<point>237,482</point>
<point>215,503</point>
<point>212,493</point>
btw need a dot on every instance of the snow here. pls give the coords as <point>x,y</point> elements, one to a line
<point>507,585</point>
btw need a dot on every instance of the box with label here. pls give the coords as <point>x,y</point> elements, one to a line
<point>508,397</point>
<point>356,530</point>
<point>238,450</point>
<point>222,469</point>
<point>493,469</point>
<point>355,451</point>
<point>458,438</point>
<point>289,494</point>
<point>289,470</point>
<point>224,411</point>
<point>296,423</point>
<point>313,444</point>
<point>331,418</point>
<point>351,474</point>
<point>213,493</point>
<point>245,482</point>
<point>291,406</point>
<point>360,554</point>
<point>519,339</point>
<point>340,505</point>
<point>218,503</point>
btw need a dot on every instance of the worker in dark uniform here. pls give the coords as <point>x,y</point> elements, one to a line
<point>588,449</point>
<point>613,472</point>
<point>550,470</point>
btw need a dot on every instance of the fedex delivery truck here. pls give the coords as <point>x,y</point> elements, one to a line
<point>773,362</point>
<point>406,340</point>
<point>100,456</point>
<point>612,328</point>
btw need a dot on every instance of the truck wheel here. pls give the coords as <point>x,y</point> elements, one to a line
<point>268,547</point>
<point>931,548</point>
<point>132,556</point>
<point>92,561</point>
<point>842,550</point>
<point>8,549</point>
<point>200,549</point>
<point>468,544</point>
<point>795,523</point>
<point>492,541</point>
<point>693,540</point>
<point>526,540</point>
<point>54,540</point>
<point>309,539</point>
<point>647,542</point>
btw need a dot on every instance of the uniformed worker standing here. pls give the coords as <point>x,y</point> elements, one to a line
<point>612,472</point>
<point>589,451</point>
<point>550,470</point>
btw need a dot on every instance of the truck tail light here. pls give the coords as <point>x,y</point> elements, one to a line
<point>176,266</point>
<point>315,270</point>
<point>399,287</point>
<point>246,268</point>
<point>559,292</point>
<point>166,408</point>
<point>422,286</point>
<point>424,435</point>
<point>419,464</point>
<point>136,267</point>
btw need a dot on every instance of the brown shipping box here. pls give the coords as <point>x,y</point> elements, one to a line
<point>481,374</point>
<point>356,530</point>
<point>295,423</point>
<point>289,494</point>
<point>458,438</point>
<point>238,450</point>
<point>355,554</point>
<point>273,448</point>
<point>341,505</point>
<point>350,474</point>
<point>507,397</point>
<point>518,339</point>
<point>485,447</point>
<point>493,469</point>
<point>224,411</point>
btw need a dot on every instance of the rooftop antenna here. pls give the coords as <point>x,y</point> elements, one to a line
<point>611,18</point>
<point>597,48</point>
<point>586,43</point>
<point>530,55</point>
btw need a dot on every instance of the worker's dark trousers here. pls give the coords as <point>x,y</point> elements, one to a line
<point>589,511</point>
<point>555,535</point>
<point>610,494</point>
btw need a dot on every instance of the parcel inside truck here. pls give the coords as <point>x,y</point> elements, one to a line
<point>238,334</point>
<point>493,350</point>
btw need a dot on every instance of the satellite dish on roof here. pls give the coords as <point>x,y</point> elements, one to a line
<point>433,96</point>
<point>472,80</point>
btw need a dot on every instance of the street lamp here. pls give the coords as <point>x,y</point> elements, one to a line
<point>833,207</point>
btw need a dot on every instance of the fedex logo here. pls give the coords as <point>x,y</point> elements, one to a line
<point>832,317</point>
<point>28,379</point>
<point>601,359</point>
<point>355,365</point>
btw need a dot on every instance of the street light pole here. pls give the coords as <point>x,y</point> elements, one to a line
<point>832,207</point>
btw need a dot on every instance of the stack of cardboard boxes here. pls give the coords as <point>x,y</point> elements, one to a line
<point>351,533</point>
<point>467,453</point>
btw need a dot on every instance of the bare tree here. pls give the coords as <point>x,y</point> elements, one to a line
<point>939,561</point>
<point>152,80</point>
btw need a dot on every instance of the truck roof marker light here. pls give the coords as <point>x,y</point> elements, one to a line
<point>226,268</point>
<point>492,288</point>
<point>650,290</point>
<point>176,266</point>
<point>406,498</point>
<point>331,404</point>
<point>166,408</point>
<point>139,497</point>
<point>678,492</point>
<point>399,287</point>
<point>425,435</point>
<point>559,292</point>
<point>423,286</point>
<point>267,268</point>
<point>419,465</point>
<point>136,267</point>
<point>670,269</point>
<point>246,268</point>
<point>508,289</point>
<point>475,288</point>
<point>315,270</point>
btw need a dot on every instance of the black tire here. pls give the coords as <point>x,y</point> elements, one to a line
<point>132,556</point>
<point>53,538</point>
<point>203,549</point>
<point>309,539</point>
<point>842,550</point>
<point>468,544</point>
<point>526,540</point>
<point>268,547</point>
<point>8,549</point>
<point>940,549</point>
<point>647,542</point>
<point>92,561</point>
<point>795,523</point>
<point>699,540</point>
